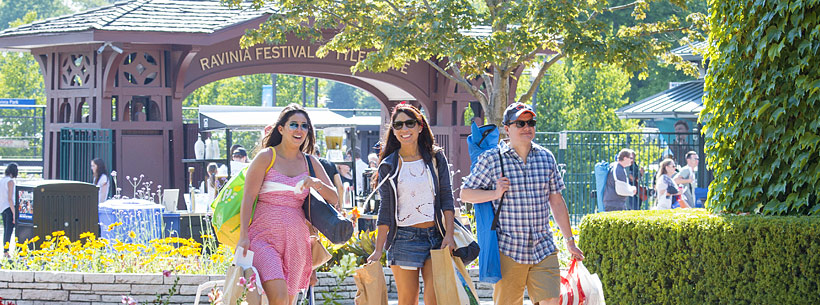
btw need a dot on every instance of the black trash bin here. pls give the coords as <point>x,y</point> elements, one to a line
<point>46,206</point>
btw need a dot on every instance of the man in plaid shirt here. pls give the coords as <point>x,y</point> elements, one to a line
<point>531,187</point>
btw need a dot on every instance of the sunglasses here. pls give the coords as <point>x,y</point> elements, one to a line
<point>520,124</point>
<point>295,126</point>
<point>398,125</point>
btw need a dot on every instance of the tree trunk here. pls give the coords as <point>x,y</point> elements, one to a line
<point>499,99</point>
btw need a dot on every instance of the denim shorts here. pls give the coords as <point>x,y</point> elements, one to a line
<point>411,247</point>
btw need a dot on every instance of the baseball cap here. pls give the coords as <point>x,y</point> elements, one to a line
<point>515,110</point>
<point>240,152</point>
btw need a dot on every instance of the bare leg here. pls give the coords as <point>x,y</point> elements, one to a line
<point>407,284</point>
<point>427,275</point>
<point>551,301</point>
<point>277,292</point>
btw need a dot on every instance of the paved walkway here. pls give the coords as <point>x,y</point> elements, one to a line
<point>421,302</point>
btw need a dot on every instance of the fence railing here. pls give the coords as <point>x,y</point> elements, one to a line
<point>78,146</point>
<point>577,152</point>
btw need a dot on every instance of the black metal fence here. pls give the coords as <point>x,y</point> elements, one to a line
<point>577,153</point>
<point>78,146</point>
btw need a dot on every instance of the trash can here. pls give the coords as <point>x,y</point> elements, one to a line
<point>142,217</point>
<point>46,206</point>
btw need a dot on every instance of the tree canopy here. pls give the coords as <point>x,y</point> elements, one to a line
<point>490,41</point>
<point>576,97</point>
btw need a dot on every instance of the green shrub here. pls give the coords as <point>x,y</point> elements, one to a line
<point>760,117</point>
<point>694,257</point>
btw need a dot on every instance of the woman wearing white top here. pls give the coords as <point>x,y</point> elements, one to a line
<point>416,196</point>
<point>100,178</point>
<point>663,181</point>
<point>7,202</point>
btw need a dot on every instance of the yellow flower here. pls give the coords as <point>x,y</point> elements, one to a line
<point>206,236</point>
<point>58,233</point>
<point>33,240</point>
<point>48,237</point>
<point>132,234</point>
<point>114,225</point>
<point>88,235</point>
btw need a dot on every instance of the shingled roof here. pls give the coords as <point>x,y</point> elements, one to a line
<point>178,16</point>
<point>683,101</point>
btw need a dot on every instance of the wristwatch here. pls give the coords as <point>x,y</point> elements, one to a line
<point>571,238</point>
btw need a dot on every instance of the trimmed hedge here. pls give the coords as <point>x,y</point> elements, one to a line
<point>694,257</point>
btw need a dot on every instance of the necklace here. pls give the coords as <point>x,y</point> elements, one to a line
<point>410,170</point>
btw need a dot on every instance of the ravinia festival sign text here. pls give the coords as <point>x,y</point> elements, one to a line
<point>278,52</point>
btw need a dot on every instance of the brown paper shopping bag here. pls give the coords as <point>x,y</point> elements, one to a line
<point>371,289</point>
<point>451,281</point>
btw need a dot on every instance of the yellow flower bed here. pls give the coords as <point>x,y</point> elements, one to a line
<point>89,254</point>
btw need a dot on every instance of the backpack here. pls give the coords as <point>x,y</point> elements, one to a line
<point>601,173</point>
<point>228,203</point>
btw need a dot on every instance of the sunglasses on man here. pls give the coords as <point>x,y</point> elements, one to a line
<point>520,124</point>
<point>398,125</point>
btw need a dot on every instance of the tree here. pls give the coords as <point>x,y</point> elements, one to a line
<point>247,91</point>
<point>343,96</point>
<point>399,31</point>
<point>15,9</point>
<point>577,97</point>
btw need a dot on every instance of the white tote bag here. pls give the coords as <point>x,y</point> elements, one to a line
<point>622,188</point>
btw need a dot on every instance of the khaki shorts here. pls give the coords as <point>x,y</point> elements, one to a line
<point>542,280</point>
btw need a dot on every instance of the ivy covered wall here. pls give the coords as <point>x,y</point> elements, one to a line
<point>761,119</point>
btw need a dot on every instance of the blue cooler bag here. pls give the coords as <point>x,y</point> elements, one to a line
<point>489,262</point>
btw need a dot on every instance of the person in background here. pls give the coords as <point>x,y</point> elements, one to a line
<point>212,169</point>
<point>239,160</point>
<point>680,146</point>
<point>665,188</point>
<point>240,155</point>
<point>334,176</point>
<point>531,186</point>
<point>613,201</point>
<point>101,179</point>
<point>686,177</point>
<point>235,146</point>
<point>356,155</point>
<point>7,204</point>
<point>373,160</point>
<point>635,174</point>
<point>414,202</point>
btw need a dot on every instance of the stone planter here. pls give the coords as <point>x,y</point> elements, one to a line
<point>46,287</point>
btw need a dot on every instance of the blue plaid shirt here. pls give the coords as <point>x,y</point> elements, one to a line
<point>523,226</point>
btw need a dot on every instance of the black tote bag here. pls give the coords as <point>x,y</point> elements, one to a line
<point>324,217</point>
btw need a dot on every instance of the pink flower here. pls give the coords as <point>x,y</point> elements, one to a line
<point>166,273</point>
<point>252,282</point>
<point>128,300</point>
<point>241,281</point>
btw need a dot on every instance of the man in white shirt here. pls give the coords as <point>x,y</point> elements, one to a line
<point>687,177</point>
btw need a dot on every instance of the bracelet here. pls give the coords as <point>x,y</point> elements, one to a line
<point>569,239</point>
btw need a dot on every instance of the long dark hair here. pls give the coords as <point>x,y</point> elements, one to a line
<point>101,170</point>
<point>427,143</point>
<point>11,170</point>
<point>274,137</point>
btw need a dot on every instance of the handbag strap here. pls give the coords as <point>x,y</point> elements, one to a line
<point>494,226</point>
<point>312,174</point>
